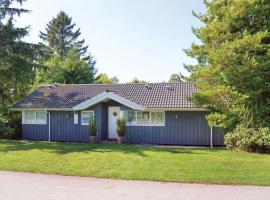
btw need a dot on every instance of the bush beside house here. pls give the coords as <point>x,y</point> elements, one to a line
<point>249,139</point>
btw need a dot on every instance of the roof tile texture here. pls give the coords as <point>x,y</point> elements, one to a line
<point>150,95</point>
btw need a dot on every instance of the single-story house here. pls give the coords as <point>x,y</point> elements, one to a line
<point>156,113</point>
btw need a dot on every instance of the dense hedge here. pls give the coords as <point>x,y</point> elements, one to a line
<point>249,139</point>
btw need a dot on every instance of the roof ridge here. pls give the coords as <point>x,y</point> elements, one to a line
<point>157,83</point>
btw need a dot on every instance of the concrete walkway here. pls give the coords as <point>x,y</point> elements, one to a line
<point>27,186</point>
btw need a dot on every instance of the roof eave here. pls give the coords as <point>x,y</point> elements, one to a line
<point>47,109</point>
<point>176,109</point>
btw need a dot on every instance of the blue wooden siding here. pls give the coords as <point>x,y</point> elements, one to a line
<point>35,132</point>
<point>63,128</point>
<point>181,128</point>
<point>104,121</point>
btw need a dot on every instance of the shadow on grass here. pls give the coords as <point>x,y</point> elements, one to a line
<point>66,148</point>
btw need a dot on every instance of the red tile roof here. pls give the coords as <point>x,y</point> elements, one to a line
<point>150,95</point>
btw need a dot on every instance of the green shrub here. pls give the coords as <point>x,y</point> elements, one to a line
<point>121,127</point>
<point>249,139</point>
<point>92,127</point>
<point>6,132</point>
<point>8,129</point>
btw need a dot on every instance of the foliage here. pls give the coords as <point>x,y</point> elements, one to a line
<point>61,36</point>
<point>200,165</point>
<point>233,68</point>
<point>176,78</point>
<point>5,130</point>
<point>104,79</point>
<point>249,139</point>
<point>114,80</point>
<point>136,80</point>
<point>18,62</point>
<point>92,127</point>
<point>72,69</point>
<point>121,127</point>
<point>70,61</point>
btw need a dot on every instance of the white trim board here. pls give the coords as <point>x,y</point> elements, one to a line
<point>108,95</point>
<point>34,121</point>
<point>150,119</point>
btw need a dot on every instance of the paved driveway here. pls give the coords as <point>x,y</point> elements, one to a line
<point>14,185</point>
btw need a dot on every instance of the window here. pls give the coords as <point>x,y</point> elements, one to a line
<point>41,117</point>
<point>30,117</point>
<point>139,118</point>
<point>131,117</point>
<point>143,118</point>
<point>157,118</point>
<point>34,117</point>
<point>86,116</point>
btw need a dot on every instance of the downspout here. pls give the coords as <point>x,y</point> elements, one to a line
<point>211,136</point>
<point>49,123</point>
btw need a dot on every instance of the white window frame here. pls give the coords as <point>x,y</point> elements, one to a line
<point>76,118</point>
<point>158,124</point>
<point>130,123</point>
<point>86,111</point>
<point>146,123</point>
<point>150,119</point>
<point>35,121</point>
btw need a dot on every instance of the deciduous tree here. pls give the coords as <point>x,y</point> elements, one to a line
<point>176,78</point>
<point>136,80</point>
<point>233,68</point>
<point>104,78</point>
<point>71,70</point>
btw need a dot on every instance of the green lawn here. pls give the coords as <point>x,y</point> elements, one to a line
<point>200,165</point>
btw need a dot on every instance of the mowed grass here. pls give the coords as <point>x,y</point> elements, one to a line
<point>196,165</point>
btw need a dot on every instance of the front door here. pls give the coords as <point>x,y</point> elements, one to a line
<point>114,113</point>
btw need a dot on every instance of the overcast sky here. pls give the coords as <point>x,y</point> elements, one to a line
<point>129,38</point>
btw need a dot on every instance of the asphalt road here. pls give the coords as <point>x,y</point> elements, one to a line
<point>28,186</point>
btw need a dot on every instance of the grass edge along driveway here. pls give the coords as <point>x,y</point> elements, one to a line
<point>131,162</point>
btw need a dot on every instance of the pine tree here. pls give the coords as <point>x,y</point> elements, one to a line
<point>61,36</point>
<point>16,64</point>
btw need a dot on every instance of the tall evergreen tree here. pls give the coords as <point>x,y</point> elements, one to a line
<point>233,69</point>
<point>16,63</point>
<point>61,36</point>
